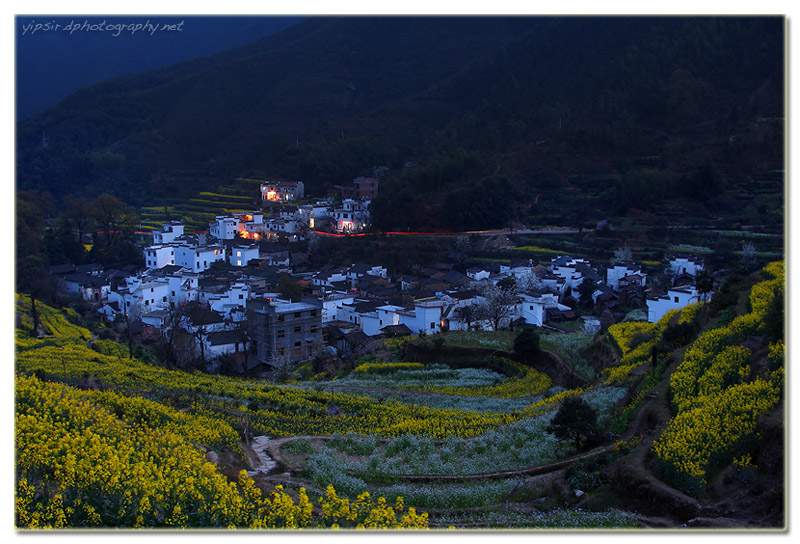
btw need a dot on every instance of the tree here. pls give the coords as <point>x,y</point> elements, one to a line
<point>704,283</point>
<point>575,421</point>
<point>622,254</point>
<point>34,278</point>
<point>527,282</point>
<point>290,289</point>
<point>114,217</point>
<point>526,344</point>
<point>80,214</point>
<point>496,305</point>
<point>748,253</point>
<point>774,317</point>
<point>586,291</point>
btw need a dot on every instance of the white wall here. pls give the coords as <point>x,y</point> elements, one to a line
<point>657,308</point>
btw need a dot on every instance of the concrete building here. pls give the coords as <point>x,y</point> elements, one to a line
<point>282,191</point>
<point>281,331</point>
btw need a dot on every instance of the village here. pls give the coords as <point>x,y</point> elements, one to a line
<point>240,292</point>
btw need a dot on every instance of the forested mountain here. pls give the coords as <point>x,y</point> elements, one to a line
<point>570,118</point>
<point>64,52</point>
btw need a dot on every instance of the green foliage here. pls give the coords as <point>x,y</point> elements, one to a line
<point>526,344</point>
<point>575,420</point>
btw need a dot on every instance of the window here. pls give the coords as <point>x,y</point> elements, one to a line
<point>164,299</point>
<point>281,333</point>
<point>433,325</point>
<point>296,344</point>
<point>531,306</point>
<point>297,314</point>
<point>298,328</point>
<point>676,299</point>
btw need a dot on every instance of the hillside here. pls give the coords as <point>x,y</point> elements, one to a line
<point>103,439</point>
<point>571,118</point>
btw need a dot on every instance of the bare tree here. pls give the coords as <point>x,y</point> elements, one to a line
<point>497,305</point>
<point>622,254</point>
<point>130,312</point>
<point>748,253</point>
<point>528,281</point>
<point>80,213</point>
<point>281,367</point>
<point>462,243</point>
<point>114,217</point>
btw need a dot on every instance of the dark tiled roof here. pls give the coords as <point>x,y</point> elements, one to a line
<point>60,269</point>
<point>397,330</point>
<point>222,338</point>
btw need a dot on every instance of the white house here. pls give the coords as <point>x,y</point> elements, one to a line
<point>352,216</point>
<point>282,191</point>
<point>86,287</point>
<point>674,299</point>
<point>531,309</point>
<point>685,264</point>
<point>251,225</point>
<point>425,318</point>
<point>159,255</point>
<point>183,287</point>
<point>224,342</point>
<point>230,301</point>
<point>309,215</point>
<point>382,316</point>
<point>327,279</point>
<point>197,258</point>
<point>169,232</point>
<point>478,273</point>
<point>156,318</point>
<point>224,227</point>
<point>572,271</point>
<point>141,293</point>
<point>241,255</point>
<point>331,304</point>
<point>633,273</point>
<point>359,270</point>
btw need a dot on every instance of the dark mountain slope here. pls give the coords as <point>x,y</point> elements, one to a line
<point>327,98</point>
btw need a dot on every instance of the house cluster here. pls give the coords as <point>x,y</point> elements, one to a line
<point>683,269</point>
<point>222,292</point>
<point>290,223</point>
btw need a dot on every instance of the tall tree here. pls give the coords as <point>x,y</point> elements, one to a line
<point>115,218</point>
<point>586,291</point>
<point>80,214</point>
<point>497,305</point>
<point>33,278</point>
<point>575,421</point>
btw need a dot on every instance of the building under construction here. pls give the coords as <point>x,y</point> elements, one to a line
<point>284,331</point>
